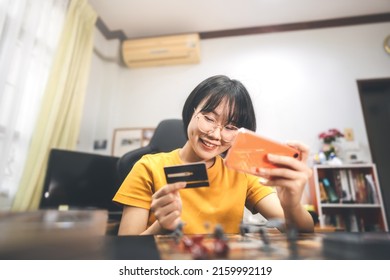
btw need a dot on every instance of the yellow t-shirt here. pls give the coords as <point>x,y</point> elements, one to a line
<point>221,203</point>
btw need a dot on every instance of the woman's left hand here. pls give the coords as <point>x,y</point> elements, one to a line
<point>290,177</point>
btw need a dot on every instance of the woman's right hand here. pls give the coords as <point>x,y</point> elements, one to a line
<point>167,206</point>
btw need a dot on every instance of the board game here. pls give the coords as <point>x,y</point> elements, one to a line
<point>269,245</point>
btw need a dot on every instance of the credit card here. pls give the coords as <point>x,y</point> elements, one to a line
<point>194,174</point>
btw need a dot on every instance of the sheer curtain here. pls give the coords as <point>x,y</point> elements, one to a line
<point>59,118</point>
<point>29,34</point>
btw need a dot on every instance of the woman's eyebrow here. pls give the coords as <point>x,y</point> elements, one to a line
<point>215,113</point>
<point>217,116</point>
<point>212,112</point>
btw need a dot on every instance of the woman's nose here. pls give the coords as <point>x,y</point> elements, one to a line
<point>216,133</point>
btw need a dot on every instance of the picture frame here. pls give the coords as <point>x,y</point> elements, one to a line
<point>147,134</point>
<point>128,139</point>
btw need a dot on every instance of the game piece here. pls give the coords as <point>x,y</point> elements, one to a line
<point>218,232</point>
<point>292,237</point>
<point>187,242</point>
<point>265,238</point>
<point>275,223</point>
<point>198,250</point>
<point>221,248</point>
<point>244,229</point>
<point>178,233</point>
<point>196,247</point>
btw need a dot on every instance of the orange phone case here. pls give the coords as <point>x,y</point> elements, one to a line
<point>249,152</point>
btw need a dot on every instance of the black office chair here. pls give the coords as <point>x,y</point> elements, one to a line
<point>169,135</point>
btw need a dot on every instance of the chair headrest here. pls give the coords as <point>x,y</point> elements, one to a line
<point>169,135</point>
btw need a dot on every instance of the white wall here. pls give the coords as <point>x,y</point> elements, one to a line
<point>302,83</point>
<point>105,71</point>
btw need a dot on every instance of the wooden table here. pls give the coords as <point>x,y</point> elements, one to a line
<point>81,235</point>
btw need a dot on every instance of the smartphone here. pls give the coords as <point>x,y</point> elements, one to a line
<point>249,150</point>
<point>194,174</point>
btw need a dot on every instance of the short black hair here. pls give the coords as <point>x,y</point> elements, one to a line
<point>216,89</point>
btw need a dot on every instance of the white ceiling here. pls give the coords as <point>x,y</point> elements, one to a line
<point>145,18</point>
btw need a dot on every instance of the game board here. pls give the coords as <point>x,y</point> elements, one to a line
<point>247,246</point>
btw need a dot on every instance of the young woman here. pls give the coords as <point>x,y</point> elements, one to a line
<point>212,114</point>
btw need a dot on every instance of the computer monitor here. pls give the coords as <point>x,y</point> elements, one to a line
<point>79,180</point>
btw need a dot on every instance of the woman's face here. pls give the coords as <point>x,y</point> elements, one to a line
<point>206,146</point>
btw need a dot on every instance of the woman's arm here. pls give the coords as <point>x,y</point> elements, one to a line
<point>166,206</point>
<point>290,178</point>
<point>270,208</point>
<point>134,220</point>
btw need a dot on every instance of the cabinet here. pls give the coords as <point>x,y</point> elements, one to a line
<point>348,197</point>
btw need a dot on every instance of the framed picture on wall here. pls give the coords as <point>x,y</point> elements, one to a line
<point>128,139</point>
<point>147,134</point>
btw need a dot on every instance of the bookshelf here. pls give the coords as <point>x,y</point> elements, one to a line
<point>348,197</point>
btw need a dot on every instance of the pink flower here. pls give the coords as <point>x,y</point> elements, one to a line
<point>330,135</point>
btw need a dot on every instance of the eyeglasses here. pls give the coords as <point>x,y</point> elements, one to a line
<point>208,125</point>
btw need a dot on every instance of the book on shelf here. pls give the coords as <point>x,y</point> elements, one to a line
<point>361,186</point>
<point>347,196</point>
<point>344,221</point>
<point>352,224</point>
<point>351,185</point>
<point>348,186</point>
<point>323,195</point>
<point>361,190</point>
<point>335,220</point>
<point>336,184</point>
<point>373,194</point>
<point>341,183</point>
<point>332,196</point>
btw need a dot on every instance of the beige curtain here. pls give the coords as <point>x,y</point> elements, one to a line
<point>59,120</point>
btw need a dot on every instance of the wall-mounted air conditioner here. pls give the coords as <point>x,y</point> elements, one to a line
<point>166,50</point>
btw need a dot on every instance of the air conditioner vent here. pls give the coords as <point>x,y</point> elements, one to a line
<point>167,50</point>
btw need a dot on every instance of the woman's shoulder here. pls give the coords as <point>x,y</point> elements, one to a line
<point>162,158</point>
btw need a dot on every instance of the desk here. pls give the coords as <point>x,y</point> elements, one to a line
<point>159,247</point>
<point>308,247</point>
<point>80,235</point>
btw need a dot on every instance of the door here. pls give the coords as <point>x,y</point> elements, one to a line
<point>375,100</point>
